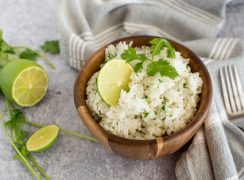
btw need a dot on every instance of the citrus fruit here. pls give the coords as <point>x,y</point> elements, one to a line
<point>113,77</point>
<point>43,139</point>
<point>24,82</point>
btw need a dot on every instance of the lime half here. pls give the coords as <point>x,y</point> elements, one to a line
<point>24,82</point>
<point>113,77</point>
<point>43,139</point>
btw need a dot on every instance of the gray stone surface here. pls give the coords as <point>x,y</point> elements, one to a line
<point>33,22</point>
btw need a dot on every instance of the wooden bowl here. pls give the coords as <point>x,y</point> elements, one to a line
<point>142,149</point>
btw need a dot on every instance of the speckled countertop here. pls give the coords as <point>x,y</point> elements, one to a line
<point>31,23</point>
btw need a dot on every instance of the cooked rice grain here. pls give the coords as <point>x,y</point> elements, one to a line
<point>154,106</point>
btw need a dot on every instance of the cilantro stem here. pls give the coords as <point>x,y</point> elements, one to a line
<point>8,107</point>
<point>79,135</point>
<point>41,54</point>
<point>46,59</point>
<point>31,158</point>
<point>28,168</point>
<point>39,167</point>
<point>9,114</point>
<point>23,159</point>
<point>38,125</point>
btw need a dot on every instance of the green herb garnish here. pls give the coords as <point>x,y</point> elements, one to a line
<point>145,114</point>
<point>18,140</point>
<point>162,66</point>
<point>51,47</point>
<point>184,85</point>
<point>10,53</point>
<point>16,135</point>
<point>164,108</point>
<point>130,55</point>
<point>158,44</point>
<point>29,54</point>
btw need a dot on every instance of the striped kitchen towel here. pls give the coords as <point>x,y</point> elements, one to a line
<point>88,25</point>
<point>217,150</point>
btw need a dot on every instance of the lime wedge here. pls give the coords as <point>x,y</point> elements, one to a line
<point>113,77</point>
<point>43,139</point>
<point>24,82</point>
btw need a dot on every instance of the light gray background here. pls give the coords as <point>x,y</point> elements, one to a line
<point>31,22</point>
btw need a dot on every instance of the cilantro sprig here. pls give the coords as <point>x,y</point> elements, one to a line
<point>18,140</point>
<point>161,66</point>
<point>51,47</point>
<point>130,55</point>
<point>159,44</point>
<point>14,130</point>
<point>10,53</point>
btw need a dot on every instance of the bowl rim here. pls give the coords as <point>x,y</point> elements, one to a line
<point>198,117</point>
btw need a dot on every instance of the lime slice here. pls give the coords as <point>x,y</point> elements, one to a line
<point>113,77</point>
<point>43,139</point>
<point>24,82</point>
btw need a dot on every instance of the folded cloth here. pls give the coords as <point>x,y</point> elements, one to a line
<point>217,150</point>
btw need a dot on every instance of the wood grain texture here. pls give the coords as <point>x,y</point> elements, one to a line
<point>142,149</point>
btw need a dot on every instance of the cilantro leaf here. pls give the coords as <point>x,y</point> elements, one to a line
<point>158,44</point>
<point>16,122</point>
<point>29,54</point>
<point>6,48</point>
<point>162,66</point>
<point>130,55</point>
<point>24,150</point>
<point>164,107</point>
<point>51,47</point>
<point>152,69</point>
<point>16,119</point>
<point>6,58</point>
<point>170,52</point>
<point>166,69</point>
<point>142,57</point>
<point>145,113</point>
<point>138,66</point>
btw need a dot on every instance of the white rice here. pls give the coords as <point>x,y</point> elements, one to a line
<point>154,106</point>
